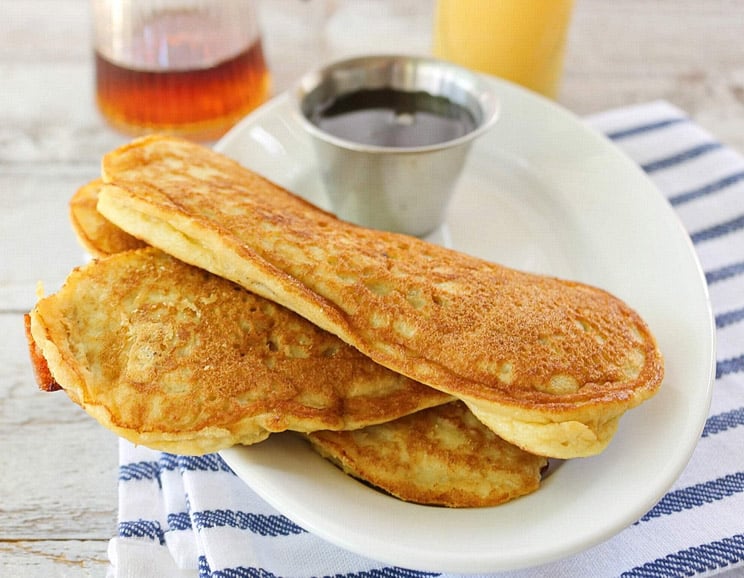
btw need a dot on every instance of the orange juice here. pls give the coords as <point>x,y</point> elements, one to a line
<point>519,40</point>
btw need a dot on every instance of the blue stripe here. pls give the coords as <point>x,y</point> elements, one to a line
<point>724,273</point>
<point>733,365</point>
<point>719,230</point>
<point>723,421</point>
<point>251,572</point>
<point>713,187</point>
<point>170,462</point>
<point>139,471</point>
<point>142,529</point>
<point>180,521</point>
<point>620,134</point>
<point>242,572</point>
<point>681,157</point>
<point>729,318</point>
<point>698,559</point>
<point>264,525</point>
<point>697,495</point>
<point>204,570</point>
<point>205,463</point>
<point>391,572</point>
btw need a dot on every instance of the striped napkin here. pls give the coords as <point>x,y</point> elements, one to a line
<point>191,516</point>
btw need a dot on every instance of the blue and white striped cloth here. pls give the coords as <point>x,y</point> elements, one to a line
<point>185,516</point>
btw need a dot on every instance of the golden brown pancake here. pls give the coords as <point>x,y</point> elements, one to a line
<point>440,456</point>
<point>548,364</point>
<point>177,359</point>
<point>96,234</point>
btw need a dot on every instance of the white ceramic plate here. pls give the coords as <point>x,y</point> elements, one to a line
<point>541,192</point>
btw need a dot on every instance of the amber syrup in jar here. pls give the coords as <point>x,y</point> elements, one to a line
<point>176,86</point>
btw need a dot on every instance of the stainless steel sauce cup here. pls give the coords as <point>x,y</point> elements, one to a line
<point>404,189</point>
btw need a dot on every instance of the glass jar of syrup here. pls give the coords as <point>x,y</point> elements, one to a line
<point>187,67</point>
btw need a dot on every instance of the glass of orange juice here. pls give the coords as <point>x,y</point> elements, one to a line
<point>519,40</point>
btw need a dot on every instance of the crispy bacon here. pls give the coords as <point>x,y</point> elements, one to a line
<point>41,369</point>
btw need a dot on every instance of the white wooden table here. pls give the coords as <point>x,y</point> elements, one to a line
<point>58,468</point>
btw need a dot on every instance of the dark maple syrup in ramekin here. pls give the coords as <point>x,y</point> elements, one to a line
<point>389,117</point>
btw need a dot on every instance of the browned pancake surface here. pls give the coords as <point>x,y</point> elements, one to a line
<point>96,234</point>
<point>175,358</point>
<point>548,364</point>
<point>440,456</point>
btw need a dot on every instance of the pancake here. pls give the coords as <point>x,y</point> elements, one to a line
<point>548,364</point>
<point>440,456</point>
<point>171,357</point>
<point>97,235</point>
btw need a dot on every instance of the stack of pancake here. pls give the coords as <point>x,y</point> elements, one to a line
<point>221,308</point>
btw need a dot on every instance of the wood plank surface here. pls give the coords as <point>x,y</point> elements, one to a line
<point>58,471</point>
<point>685,51</point>
<point>51,558</point>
